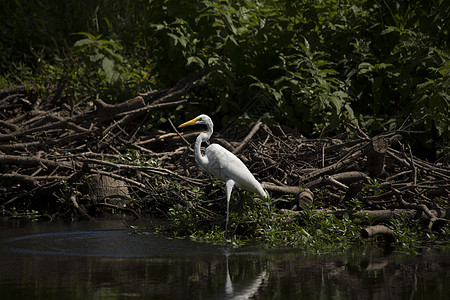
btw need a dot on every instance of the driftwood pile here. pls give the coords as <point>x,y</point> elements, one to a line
<point>381,172</point>
<point>74,159</point>
<point>80,159</point>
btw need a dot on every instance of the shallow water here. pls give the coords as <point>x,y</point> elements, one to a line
<point>104,260</point>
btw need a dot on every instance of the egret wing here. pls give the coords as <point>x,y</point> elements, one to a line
<point>225,165</point>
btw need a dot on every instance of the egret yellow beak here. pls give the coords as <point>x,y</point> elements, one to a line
<point>191,122</point>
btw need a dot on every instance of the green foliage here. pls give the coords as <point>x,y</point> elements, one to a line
<point>314,232</point>
<point>259,221</point>
<point>411,235</point>
<point>22,214</point>
<point>313,65</point>
<point>373,187</point>
<point>138,230</point>
<point>140,159</point>
<point>191,217</point>
<point>103,55</point>
<point>256,221</point>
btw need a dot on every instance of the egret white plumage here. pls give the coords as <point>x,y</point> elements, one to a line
<point>223,164</point>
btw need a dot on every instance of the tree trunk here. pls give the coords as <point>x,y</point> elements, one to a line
<point>376,156</point>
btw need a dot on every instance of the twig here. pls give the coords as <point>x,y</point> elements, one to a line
<point>178,133</point>
<point>248,137</point>
<point>81,210</point>
<point>338,165</point>
<point>413,166</point>
<point>160,171</point>
<point>323,155</point>
<point>358,131</point>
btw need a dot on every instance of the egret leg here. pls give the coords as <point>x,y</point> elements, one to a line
<point>228,188</point>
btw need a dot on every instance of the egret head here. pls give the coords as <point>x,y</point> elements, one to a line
<point>201,119</point>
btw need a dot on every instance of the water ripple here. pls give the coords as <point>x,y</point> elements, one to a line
<point>107,243</point>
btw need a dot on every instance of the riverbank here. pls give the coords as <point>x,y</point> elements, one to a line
<point>91,158</point>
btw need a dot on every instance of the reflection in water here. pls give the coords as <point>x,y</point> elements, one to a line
<point>247,290</point>
<point>228,284</point>
<point>106,261</point>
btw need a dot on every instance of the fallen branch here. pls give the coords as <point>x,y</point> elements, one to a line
<point>248,137</point>
<point>384,231</point>
<point>359,151</point>
<point>73,198</point>
<point>282,189</point>
<point>34,161</point>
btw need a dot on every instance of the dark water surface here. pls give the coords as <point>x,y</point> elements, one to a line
<point>104,260</point>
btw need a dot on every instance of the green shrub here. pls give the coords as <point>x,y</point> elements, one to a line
<point>313,65</point>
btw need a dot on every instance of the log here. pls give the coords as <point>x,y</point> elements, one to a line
<point>376,156</point>
<point>351,177</point>
<point>102,188</point>
<point>305,198</point>
<point>382,230</point>
<point>282,189</point>
<point>353,190</point>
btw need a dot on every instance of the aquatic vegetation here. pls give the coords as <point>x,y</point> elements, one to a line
<point>19,214</point>
<point>257,221</point>
<point>260,221</point>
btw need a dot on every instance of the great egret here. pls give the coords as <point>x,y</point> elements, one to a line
<point>223,164</point>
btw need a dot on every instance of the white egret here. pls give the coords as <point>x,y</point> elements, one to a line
<point>223,164</point>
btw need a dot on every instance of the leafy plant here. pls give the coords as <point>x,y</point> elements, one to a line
<point>373,187</point>
<point>138,230</point>
<point>141,159</point>
<point>26,214</point>
<point>103,55</point>
<point>261,222</point>
<point>312,65</point>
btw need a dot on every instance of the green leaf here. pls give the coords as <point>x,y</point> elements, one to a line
<point>351,114</point>
<point>229,23</point>
<point>108,68</point>
<point>174,37</point>
<point>389,30</point>
<point>425,84</point>
<point>212,60</point>
<point>96,57</point>
<point>89,35</point>
<point>337,102</point>
<point>195,60</point>
<point>83,42</point>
